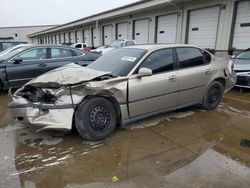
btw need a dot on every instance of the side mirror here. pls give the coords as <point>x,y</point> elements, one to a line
<point>18,60</point>
<point>144,72</point>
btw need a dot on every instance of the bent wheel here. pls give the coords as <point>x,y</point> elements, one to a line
<point>95,119</point>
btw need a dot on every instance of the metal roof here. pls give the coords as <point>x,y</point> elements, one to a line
<point>123,10</point>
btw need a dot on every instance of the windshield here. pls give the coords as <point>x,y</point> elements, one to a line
<point>11,53</point>
<point>117,43</point>
<point>244,55</point>
<point>118,62</point>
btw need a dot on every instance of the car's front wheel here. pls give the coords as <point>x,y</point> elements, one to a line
<point>95,119</point>
<point>213,95</point>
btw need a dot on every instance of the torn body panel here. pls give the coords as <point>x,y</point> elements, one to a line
<point>68,92</point>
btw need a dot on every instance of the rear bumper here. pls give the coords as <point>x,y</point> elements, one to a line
<point>230,81</point>
<point>42,117</point>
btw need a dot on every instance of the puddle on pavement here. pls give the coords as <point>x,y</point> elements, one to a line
<point>146,157</point>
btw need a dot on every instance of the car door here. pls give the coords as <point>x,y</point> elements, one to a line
<point>157,92</point>
<point>62,56</point>
<point>27,65</point>
<point>194,73</point>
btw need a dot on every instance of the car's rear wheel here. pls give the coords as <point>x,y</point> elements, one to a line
<point>95,119</point>
<point>213,95</point>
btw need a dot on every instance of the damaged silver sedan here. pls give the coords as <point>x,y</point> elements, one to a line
<point>124,85</point>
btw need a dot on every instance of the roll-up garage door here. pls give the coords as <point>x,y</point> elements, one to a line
<point>53,39</point>
<point>122,30</point>
<point>57,38</point>
<point>61,38</point>
<point>95,38</point>
<point>86,36</point>
<point>107,34</point>
<point>141,31</point>
<point>167,28</point>
<point>72,36</point>
<point>203,25</point>
<point>79,36</point>
<point>241,38</point>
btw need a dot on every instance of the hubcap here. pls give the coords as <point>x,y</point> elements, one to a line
<point>99,118</point>
<point>213,95</point>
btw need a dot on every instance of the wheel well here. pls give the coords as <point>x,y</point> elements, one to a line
<point>221,80</point>
<point>108,97</point>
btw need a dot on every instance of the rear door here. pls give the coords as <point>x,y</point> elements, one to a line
<point>157,92</point>
<point>62,56</point>
<point>194,73</point>
<point>34,63</point>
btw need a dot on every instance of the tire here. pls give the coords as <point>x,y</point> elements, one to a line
<point>213,95</point>
<point>95,119</point>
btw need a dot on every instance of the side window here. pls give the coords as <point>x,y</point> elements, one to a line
<point>207,56</point>
<point>78,46</point>
<point>39,53</point>
<point>60,53</point>
<point>160,61</point>
<point>129,43</point>
<point>189,57</point>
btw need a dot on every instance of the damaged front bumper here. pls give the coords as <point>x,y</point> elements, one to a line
<point>42,116</point>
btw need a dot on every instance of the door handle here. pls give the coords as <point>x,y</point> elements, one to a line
<point>208,71</point>
<point>172,78</point>
<point>42,65</point>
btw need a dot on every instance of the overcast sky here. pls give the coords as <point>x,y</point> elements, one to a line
<point>47,12</point>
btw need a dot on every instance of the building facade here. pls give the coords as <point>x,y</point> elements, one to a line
<point>219,25</point>
<point>20,33</point>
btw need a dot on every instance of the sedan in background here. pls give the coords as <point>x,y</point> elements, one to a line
<point>242,69</point>
<point>122,86</point>
<point>115,44</point>
<point>20,65</point>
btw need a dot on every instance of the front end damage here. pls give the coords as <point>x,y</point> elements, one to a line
<point>49,101</point>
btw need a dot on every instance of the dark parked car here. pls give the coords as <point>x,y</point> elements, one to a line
<point>22,64</point>
<point>242,69</point>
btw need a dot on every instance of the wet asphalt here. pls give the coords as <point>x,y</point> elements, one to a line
<point>187,148</point>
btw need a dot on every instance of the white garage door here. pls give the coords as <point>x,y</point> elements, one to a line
<point>72,36</point>
<point>61,38</point>
<point>167,28</point>
<point>79,36</point>
<point>53,39</point>
<point>66,37</point>
<point>86,36</point>
<point>57,39</point>
<point>241,38</point>
<point>122,30</point>
<point>95,37</point>
<point>203,24</point>
<point>141,31</point>
<point>107,34</point>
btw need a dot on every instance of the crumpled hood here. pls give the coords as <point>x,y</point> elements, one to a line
<point>241,64</point>
<point>67,75</point>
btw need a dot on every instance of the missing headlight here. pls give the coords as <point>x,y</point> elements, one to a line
<point>35,94</point>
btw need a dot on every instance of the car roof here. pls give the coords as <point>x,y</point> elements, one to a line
<point>158,46</point>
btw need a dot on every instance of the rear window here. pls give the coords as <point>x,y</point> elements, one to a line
<point>189,57</point>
